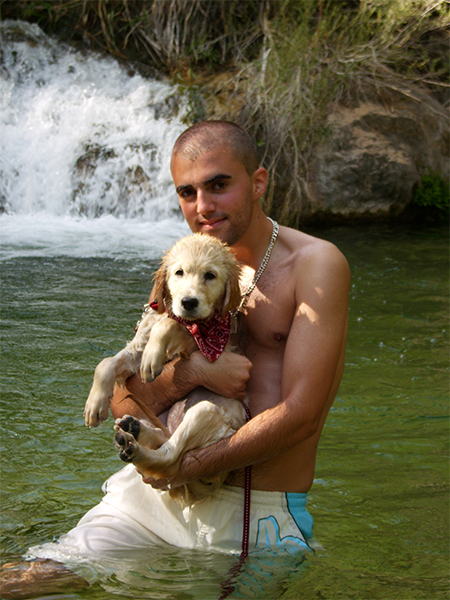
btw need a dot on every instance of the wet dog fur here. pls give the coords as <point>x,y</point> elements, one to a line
<point>197,277</point>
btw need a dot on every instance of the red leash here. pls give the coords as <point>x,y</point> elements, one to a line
<point>247,494</point>
<point>228,585</point>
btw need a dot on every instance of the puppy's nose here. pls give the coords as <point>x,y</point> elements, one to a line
<point>189,303</point>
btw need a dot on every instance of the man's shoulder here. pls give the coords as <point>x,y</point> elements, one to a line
<point>315,262</point>
<point>308,248</point>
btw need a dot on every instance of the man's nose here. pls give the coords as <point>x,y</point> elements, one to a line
<point>205,202</point>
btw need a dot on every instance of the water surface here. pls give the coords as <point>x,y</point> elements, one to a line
<point>380,498</point>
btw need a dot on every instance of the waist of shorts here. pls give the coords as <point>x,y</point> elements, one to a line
<point>260,497</point>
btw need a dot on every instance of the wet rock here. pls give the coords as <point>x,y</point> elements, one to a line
<point>376,155</point>
<point>106,184</point>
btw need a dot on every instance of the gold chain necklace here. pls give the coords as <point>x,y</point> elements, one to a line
<point>260,271</point>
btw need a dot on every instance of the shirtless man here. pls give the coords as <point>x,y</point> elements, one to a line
<point>292,330</point>
<point>293,326</point>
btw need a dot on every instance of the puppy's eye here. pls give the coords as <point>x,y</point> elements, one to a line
<point>179,273</point>
<point>210,275</point>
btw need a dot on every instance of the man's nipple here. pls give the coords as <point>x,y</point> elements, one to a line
<point>279,337</point>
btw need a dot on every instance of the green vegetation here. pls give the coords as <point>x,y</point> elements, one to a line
<point>432,196</point>
<point>278,67</point>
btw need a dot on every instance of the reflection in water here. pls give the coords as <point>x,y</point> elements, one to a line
<point>156,573</point>
<point>191,574</point>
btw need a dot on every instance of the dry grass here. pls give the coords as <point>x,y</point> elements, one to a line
<point>167,34</point>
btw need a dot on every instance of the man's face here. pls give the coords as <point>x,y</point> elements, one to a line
<point>216,193</point>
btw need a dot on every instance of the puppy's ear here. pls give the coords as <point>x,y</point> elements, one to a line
<point>232,296</point>
<point>160,288</point>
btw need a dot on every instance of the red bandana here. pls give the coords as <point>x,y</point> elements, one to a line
<point>211,336</point>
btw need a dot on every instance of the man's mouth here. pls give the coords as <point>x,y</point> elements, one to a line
<point>209,224</point>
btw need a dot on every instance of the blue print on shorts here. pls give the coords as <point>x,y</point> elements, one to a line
<point>269,537</point>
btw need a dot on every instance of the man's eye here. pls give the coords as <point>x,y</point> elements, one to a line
<point>210,275</point>
<point>186,193</point>
<point>179,273</point>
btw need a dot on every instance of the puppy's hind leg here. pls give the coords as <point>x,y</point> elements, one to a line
<point>203,424</point>
<point>142,458</point>
<point>148,434</point>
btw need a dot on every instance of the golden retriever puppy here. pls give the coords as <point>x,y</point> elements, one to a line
<point>196,287</point>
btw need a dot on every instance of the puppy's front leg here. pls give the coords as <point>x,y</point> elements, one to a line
<point>167,340</point>
<point>96,409</point>
<point>113,368</point>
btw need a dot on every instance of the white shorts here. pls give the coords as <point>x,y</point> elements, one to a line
<point>133,515</point>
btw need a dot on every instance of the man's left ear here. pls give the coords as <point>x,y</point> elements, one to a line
<point>259,181</point>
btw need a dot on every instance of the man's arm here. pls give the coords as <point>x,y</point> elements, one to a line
<point>227,376</point>
<point>312,368</point>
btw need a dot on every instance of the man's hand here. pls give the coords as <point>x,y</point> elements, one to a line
<point>188,467</point>
<point>226,376</point>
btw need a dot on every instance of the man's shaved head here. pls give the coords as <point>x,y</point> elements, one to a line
<point>209,135</point>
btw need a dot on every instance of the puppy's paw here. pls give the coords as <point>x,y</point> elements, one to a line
<point>143,431</point>
<point>150,372</point>
<point>127,445</point>
<point>129,425</point>
<point>152,364</point>
<point>96,410</point>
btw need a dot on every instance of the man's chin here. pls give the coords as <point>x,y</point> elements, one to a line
<point>222,231</point>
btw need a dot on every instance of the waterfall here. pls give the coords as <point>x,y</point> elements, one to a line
<point>85,149</point>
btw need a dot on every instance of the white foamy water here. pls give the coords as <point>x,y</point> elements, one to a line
<point>106,237</point>
<point>84,152</point>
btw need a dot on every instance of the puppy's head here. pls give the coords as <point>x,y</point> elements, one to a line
<point>198,276</point>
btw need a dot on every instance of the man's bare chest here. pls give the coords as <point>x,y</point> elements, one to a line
<point>268,313</point>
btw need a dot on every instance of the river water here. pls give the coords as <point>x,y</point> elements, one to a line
<point>76,263</point>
